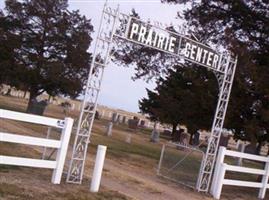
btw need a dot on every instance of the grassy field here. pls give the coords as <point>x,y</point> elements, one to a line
<point>130,168</point>
<point>181,165</point>
<point>15,191</point>
<point>14,184</point>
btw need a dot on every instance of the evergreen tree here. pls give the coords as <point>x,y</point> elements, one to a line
<point>9,42</point>
<point>242,27</point>
<point>186,95</point>
<point>52,54</point>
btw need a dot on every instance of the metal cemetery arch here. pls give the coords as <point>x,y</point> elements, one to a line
<point>116,24</point>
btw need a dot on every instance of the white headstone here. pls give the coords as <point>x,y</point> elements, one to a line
<point>109,129</point>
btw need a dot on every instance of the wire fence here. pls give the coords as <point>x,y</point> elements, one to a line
<point>180,163</point>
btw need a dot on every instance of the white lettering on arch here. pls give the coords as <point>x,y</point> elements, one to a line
<point>142,33</point>
<point>187,48</point>
<point>134,30</point>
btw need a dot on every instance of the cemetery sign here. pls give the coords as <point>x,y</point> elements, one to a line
<point>173,43</point>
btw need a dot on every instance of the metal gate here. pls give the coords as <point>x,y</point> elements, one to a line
<point>181,164</point>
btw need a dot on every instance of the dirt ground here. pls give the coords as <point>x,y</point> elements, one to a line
<point>129,170</point>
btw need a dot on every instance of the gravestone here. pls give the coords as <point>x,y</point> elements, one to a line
<point>176,136</point>
<point>118,119</point>
<point>133,123</point>
<point>102,114</point>
<point>114,117</point>
<point>167,133</point>
<point>155,136</point>
<point>97,115</point>
<point>142,123</point>
<point>38,107</point>
<point>196,138</point>
<point>244,148</point>
<point>73,106</point>
<point>109,129</point>
<point>224,140</point>
<point>250,149</point>
<point>128,138</point>
<point>123,120</point>
<point>184,139</point>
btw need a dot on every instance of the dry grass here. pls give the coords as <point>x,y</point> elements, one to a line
<point>10,191</point>
<point>132,165</point>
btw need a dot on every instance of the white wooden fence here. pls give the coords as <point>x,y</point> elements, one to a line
<point>61,145</point>
<point>221,168</point>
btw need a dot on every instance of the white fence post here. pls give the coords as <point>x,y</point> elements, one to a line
<point>219,182</point>
<point>262,191</point>
<point>219,161</point>
<point>221,168</point>
<point>98,168</point>
<point>61,154</point>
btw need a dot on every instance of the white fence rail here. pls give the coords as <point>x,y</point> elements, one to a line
<point>221,168</point>
<point>61,145</point>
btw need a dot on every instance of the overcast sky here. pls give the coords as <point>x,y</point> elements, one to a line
<point>118,90</point>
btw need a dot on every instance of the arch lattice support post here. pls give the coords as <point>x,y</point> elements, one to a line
<point>225,84</point>
<point>100,60</point>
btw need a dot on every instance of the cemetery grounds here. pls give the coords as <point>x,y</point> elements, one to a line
<point>129,170</point>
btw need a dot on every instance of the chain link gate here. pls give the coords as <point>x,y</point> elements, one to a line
<point>181,164</point>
